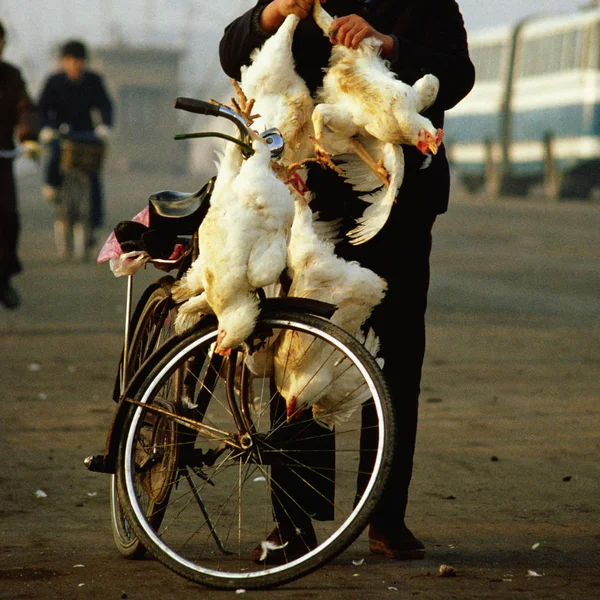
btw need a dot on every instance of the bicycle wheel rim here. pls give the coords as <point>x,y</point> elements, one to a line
<point>342,531</point>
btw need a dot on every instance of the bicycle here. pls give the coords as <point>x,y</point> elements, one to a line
<point>81,157</point>
<point>204,457</point>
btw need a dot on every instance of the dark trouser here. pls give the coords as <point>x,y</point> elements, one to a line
<point>400,253</point>
<point>10,225</point>
<point>403,260</point>
<point>97,208</point>
<point>303,484</point>
<point>53,177</point>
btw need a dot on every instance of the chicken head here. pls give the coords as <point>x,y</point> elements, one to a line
<point>428,143</point>
<point>236,323</point>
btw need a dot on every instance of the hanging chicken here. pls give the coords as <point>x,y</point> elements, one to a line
<point>361,97</point>
<point>243,246</point>
<point>305,371</point>
<point>281,98</point>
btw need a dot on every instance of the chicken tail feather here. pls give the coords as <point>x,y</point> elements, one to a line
<point>374,217</point>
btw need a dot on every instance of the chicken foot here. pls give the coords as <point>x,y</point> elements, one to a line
<point>334,126</point>
<point>242,105</point>
<point>322,158</point>
<point>375,166</point>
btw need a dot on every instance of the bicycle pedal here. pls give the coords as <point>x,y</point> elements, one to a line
<point>97,464</point>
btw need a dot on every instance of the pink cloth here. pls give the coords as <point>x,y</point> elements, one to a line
<point>112,248</point>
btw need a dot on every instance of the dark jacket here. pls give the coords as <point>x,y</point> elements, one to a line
<point>431,38</point>
<point>17,111</point>
<point>72,102</point>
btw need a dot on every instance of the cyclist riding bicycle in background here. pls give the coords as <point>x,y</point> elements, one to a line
<point>74,100</point>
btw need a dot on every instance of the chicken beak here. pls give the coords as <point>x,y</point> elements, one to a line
<point>218,348</point>
<point>435,143</point>
<point>429,144</point>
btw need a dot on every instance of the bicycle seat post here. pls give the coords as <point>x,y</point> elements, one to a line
<point>128,303</point>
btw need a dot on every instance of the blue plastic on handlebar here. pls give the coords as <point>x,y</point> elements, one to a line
<point>197,106</point>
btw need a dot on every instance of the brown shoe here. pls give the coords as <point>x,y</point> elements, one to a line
<point>284,545</point>
<point>399,545</point>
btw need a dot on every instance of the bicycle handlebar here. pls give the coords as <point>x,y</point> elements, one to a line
<point>200,107</point>
<point>30,149</point>
<point>272,136</point>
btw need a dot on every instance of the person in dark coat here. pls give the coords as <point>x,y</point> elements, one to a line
<point>72,97</point>
<point>17,119</point>
<point>418,37</point>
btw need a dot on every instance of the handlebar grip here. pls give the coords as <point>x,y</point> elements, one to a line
<point>199,107</point>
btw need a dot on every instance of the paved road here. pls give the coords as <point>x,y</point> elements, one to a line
<point>506,485</point>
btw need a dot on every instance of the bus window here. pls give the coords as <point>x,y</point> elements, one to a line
<point>488,61</point>
<point>553,53</point>
<point>572,50</point>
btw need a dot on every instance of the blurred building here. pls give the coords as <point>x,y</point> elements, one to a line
<point>143,83</point>
<point>150,52</point>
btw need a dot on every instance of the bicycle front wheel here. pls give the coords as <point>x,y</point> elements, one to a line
<point>264,465</point>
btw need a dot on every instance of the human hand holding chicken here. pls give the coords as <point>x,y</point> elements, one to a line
<point>275,13</point>
<point>351,30</point>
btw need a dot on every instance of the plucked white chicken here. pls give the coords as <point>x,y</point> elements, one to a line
<point>304,370</point>
<point>191,285</point>
<point>361,97</point>
<point>243,246</point>
<point>281,98</point>
<point>348,390</point>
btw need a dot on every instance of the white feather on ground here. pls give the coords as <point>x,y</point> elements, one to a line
<point>243,246</point>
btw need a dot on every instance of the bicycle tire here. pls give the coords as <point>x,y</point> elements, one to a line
<point>230,485</point>
<point>145,338</point>
<point>73,211</point>
<point>155,313</point>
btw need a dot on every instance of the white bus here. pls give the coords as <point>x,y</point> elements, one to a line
<point>532,121</point>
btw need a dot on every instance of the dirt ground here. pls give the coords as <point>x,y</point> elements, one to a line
<point>506,487</point>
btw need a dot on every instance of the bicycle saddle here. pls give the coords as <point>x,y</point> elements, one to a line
<point>179,213</point>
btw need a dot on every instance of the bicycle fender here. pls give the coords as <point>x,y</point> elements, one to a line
<point>301,305</point>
